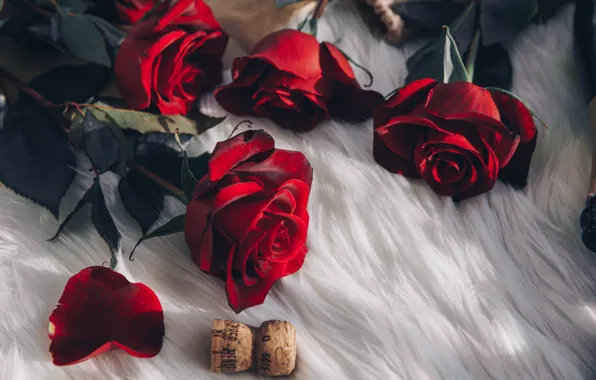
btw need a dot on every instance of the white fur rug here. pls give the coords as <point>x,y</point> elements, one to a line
<point>399,283</point>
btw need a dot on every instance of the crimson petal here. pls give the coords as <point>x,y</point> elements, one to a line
<point>516,116</point>
<point>279,167</point>
<point>464,101</point>
<point>228,154</point>
<point>290,51</point>
<point>236,97</point>
<point>100,310</point>
<point>348,100</point>
<point>404,100</point>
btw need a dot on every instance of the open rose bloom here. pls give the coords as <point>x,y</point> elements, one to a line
<point>171,59</point>
<point>247,220</point>
<point>297,82</point>
<point>458,137</point>
<point>100,310</point>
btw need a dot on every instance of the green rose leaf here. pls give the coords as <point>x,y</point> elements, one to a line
<point>145,122</point>
<point>72,83</point>
<point>100,143</point>
<point>35,157</point>
<point>439,60</point>
<point>142,198</point>
<point>17,17</point>
<point>80,37</point>
<point>100,217</point>
<point>173,226</point>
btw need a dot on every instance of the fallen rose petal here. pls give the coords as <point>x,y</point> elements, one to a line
<point>100,310</point>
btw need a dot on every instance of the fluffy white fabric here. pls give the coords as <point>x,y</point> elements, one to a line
<point>399,283</point>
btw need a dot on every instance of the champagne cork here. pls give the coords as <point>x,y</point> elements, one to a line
<point>269,349</point>
<point>275,348</point>
<point>231,346</point>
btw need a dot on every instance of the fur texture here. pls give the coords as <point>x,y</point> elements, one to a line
<point>399,283</point>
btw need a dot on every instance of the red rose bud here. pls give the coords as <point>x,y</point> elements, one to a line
<point>457,136</point>
<point>247,220</point>
<point>171,59</point>
<point>100,310</point>
<point>131,11</point>
<point>296,81</point>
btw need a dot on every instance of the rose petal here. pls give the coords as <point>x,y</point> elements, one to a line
<point>185,12</point>
<point>131,12</point>
<point>302,117</point>
<point>300,191</point>
<point>199,214</point>
<point>297,232</point>
<point>134,68</point>
<point>237,96</point>
<point>288,50</point>
<point>280,167</point>
<point>100,308</point>
<point>464,101</point>
<point>395,143</point>
<point>457,100</point>
<point>403,101</point>
<point>241,297</point>
<point>516,116</point>
<point>348,101</point>
<point>232,152</point>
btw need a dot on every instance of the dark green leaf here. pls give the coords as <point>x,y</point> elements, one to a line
<point>146,122</point>
<point>439,60</point>
<point>72,83</point>
<point>501,20</point>
<point>142,198</point>
<point>19,19</point>
<point>157,154</point>
<point>100,143</point>
<point>493,67</point>
<point>112,35</point>
<point>584,25</point>
<point>199,165</point>
<point>189,182</point>
<point>75,6</point>
<point>35,158</point>
<point>160,158</point>
<point>80,204</point>
<point>100,216</point>
<point>173,226</point>
<point>102,220</point>
<point>80,37</point>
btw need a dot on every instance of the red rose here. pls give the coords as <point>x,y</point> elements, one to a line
<point>295,81</point>
<point>247,220</point>
<point>100,310</point>
<point>131,11</point>
<point>169,60</point>
<point>457,136</point>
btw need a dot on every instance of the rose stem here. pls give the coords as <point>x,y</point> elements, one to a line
<point>51,108</point>
<point>472,53</point>
<point>320,9</point>
<point>592,117</point>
